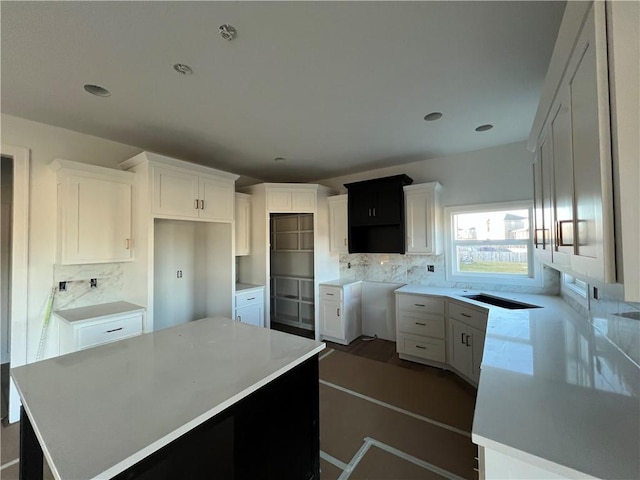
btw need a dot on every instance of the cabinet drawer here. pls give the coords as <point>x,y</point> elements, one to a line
<point>330,293</point>
<point>468,315</point>
<point>421,303</point>
<point>249,298</point>
<point>420,323</point>
<point>108,331</point>
<point>428,348</point>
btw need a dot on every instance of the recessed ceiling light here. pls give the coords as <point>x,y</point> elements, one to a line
<point>279,159</point>
<point>97,90</point>
<point>433,116</point>
<point>484,128</point>
<point>183,69</point>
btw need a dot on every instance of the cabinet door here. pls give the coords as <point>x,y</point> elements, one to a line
<point>459,352</point>
<point>303,201</point>
<point>588,84</point>
<point>543,171</point>
<point>338,225</point>
<point>216,199</point>
<point>331,319</point>
<point>560,126</point>
<point>361,206</point>
<point>95,221</point>
<point>251,314</point>
<point>279,201</point>
<point>389,202</point>
<point>420,215</point>
<point>175,193</point>
<point>477,347</point>
<point>243,225</point>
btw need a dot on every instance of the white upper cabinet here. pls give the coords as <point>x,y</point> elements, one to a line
<point>423,218</point>
<point>573,148</point>
<point>288,198</point>
<point>94,214</point>
<point>243,224</point>
<point>338,224</point>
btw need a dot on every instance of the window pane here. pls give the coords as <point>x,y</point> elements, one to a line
<point>492,225</point>
<point>504,259</point>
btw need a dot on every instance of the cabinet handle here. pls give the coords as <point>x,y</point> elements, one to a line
<point>369,212</point>
<point>465,315</point>
<point>421,347</point>
<point>114,330</point>
<point>252,298</point>
<point>462,338</point>
<point>423,324</point>
<point>467,341</point>
<point>196,204</point>
<point>201,204</point>
<point>127,243</point>
<point>374,212</point>
<point>560,240</point>
<point>338,312</point>
<point>239,318</point>
<point>419,304</point>
<point>345,242</point>
<point>329,294</point>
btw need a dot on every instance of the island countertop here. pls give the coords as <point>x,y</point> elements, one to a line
<point>99,411</point>
<point>555,390</point>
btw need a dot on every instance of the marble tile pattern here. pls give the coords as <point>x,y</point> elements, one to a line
<point>412,269</point>
<point>79,293</point>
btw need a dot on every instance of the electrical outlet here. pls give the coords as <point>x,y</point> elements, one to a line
<point>431,268</point>
<point>62,286</point>
<point>93,283</point>
<point>179,274</point>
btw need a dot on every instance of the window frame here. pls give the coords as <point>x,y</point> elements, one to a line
<point>534,276</point>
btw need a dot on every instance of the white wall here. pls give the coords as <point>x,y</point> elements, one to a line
<point>494,174</point>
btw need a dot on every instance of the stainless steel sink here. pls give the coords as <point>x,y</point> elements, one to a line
<point>500,302</point>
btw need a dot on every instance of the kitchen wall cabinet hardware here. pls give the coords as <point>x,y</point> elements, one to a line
<point>249,305</point>
<point>423,218</point>
<point>94,214</point>
<point>338,224</point>
<point>465,339</point>
<point>572,140</point>
<point>243,224</point>
<point>180,193</point>
<point>292,301</point>
<point>170,232</point>
<point>86,327</point>
<point>420,328</point>
<point>377,215</point>
<point>341,312</point>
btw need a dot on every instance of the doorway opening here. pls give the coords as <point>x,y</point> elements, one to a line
<point>292,273</point>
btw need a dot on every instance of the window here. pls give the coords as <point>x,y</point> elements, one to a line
<point>491,243</point>
<point>575,284</point>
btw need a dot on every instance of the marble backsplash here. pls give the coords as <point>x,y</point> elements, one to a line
<point>412,269</point>
<point>110,277</point>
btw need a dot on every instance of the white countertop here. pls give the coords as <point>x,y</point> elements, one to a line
<point>97,412</point>
<point>94,312</point>
<point>554,390</point>
<point>247,287</point>
<point>339,282</point>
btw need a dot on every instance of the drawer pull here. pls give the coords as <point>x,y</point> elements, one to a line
<point>419,304</point>
<point>252,298</point>
<point>462,338</point>
<point>465,315</point>
<point>422,324</point>
<point>467,341</point>
<point>421,347</point>
<point>114,330</point>
<point>196,204</point>
<point>201,204</point>
<point>330,294</point>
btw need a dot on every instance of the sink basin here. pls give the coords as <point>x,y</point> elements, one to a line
<point>500,302</point>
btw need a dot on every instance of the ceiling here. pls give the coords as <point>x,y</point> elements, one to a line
<point>332,87</point>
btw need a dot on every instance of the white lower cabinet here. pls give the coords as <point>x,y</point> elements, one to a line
<point>340,312</point>
<point>249,306</point>
<point>465,339</point>
<point>86,327</point>
<point>420,328</point>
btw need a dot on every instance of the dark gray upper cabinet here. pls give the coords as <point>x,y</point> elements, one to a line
<point>376,215</point>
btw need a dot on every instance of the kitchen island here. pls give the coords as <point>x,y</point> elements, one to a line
<point>211,396</point>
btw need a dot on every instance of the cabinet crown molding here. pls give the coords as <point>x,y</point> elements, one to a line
<point>174,162</point>
<point>66,167</point>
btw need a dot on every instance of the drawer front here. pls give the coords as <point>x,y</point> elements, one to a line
<point>249,298</point>
<point>330,293</point>
<point>427,348</point>
<point>108,331</point>
<point>470,316</point>
<point>420,303</point>
<point>419,323</point>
